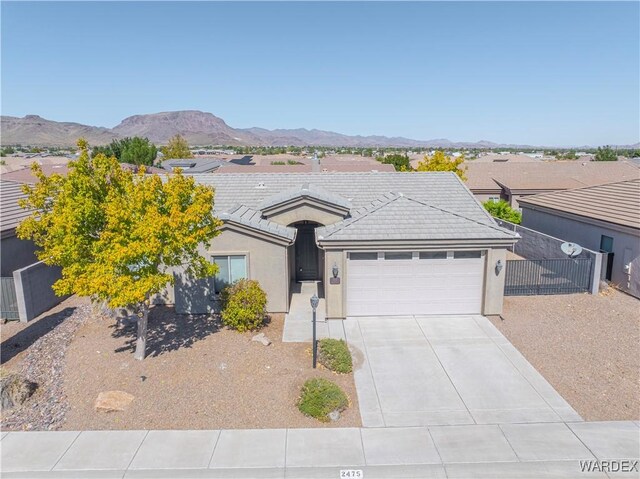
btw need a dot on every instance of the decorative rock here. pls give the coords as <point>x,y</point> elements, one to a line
<point>111,401</point>
<point>334,415</point>
<point>261,338</point>
<point>15,390</point>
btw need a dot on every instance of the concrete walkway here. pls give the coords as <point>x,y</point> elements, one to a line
<point>446,370</point>
<point>297,323</point>
<point>515,450</point>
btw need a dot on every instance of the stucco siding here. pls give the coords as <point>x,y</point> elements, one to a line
<point>266,263</point>
<point>588,235</point>
<point>298,213</point>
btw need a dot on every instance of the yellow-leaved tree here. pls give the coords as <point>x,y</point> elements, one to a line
<point>176,148</point>
<point>116,233</point>
<point>441,162</point>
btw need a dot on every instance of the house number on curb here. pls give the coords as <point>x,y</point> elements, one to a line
<point>351,474</point>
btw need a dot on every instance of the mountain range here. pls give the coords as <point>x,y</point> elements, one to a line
<point>201,128</point>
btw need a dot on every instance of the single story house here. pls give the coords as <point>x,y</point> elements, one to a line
<point>382,243</point>
<point>603,218</point>
<point>511,181</point>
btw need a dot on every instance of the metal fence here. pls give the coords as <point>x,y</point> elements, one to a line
<point>8,299</point>
<point>548,276</point>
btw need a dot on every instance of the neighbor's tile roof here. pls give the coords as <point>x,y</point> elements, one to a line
<point>547,175</point>
<point>11,214</point>
<point>617,203</point>
<point>439,190</point>
<point>398,217</point>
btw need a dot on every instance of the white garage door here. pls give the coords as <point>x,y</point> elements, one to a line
<point>399,283</point>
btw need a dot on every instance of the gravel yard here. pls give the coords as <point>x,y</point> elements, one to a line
<point>587,347</point>
<point>196,376</point>
<point>36,350</point>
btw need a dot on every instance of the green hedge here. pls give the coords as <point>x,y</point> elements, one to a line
<point>319,397</point>
<point>334,354</point>
<point>243,305</point>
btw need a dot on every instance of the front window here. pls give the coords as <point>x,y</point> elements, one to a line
<point>230,269</point>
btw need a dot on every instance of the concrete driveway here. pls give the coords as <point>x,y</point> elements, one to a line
<point>446,370</point>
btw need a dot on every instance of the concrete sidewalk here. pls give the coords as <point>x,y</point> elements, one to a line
<point>513,450</point>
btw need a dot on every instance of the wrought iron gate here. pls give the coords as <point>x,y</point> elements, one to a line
<point>547,276</point>
<point>8,299</point>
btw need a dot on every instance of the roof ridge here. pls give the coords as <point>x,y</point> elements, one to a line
<point>364,214</point>
<point>472,196</point>
<point>493,226</point>
<point>600,185</point>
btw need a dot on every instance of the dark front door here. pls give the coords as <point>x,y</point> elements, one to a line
<point>306,253</point>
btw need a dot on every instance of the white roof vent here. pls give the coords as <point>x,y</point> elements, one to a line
<point>261,185</point>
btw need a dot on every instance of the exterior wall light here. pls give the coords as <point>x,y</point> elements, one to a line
<point>335,270</point>
<point>499,266</point>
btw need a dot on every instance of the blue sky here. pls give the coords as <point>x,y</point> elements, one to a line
<point>542,73</point>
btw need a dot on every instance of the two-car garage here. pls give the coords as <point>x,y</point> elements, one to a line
<point>394,283</point>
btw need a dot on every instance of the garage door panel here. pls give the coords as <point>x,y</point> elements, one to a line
<point>417,286</point>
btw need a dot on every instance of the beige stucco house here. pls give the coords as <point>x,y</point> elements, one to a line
<point>381,243</point>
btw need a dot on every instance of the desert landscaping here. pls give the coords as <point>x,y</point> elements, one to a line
<point>197,374</point>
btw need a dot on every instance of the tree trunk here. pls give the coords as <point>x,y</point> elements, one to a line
<point>141,341</point>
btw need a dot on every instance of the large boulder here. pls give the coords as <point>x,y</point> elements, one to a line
<point>15,390</point>
<point>112,401</point>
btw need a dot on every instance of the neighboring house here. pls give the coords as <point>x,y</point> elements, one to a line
<point>604,218</point>
<point>512,181</point>
<point>381,243</point>
<point>26,282</point>
<point>193,165</point>
<point>25,175</point>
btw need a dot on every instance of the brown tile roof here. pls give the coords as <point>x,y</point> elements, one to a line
<point>547,175</point>
<point>25,175</point>
<point>617,203</point>
<point>11,214</point>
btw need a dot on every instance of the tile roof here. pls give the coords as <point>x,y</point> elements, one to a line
<point>200,165</point>
<point>442,191</point>
<point>398,217</point>
<point>547,175</point>
<point>617,203</point>
<point>253,218</point>
<point>306,190</point>
<point>11,214</point>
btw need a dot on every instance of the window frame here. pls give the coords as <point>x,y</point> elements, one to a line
<point>228,255</point>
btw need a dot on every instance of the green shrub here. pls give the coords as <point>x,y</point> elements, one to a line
<point>243,305</point>
<point>334,354</point>
<point>319,397</point>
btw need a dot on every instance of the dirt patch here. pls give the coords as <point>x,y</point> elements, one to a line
<point>197,376</point>
<point>586,346</point>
